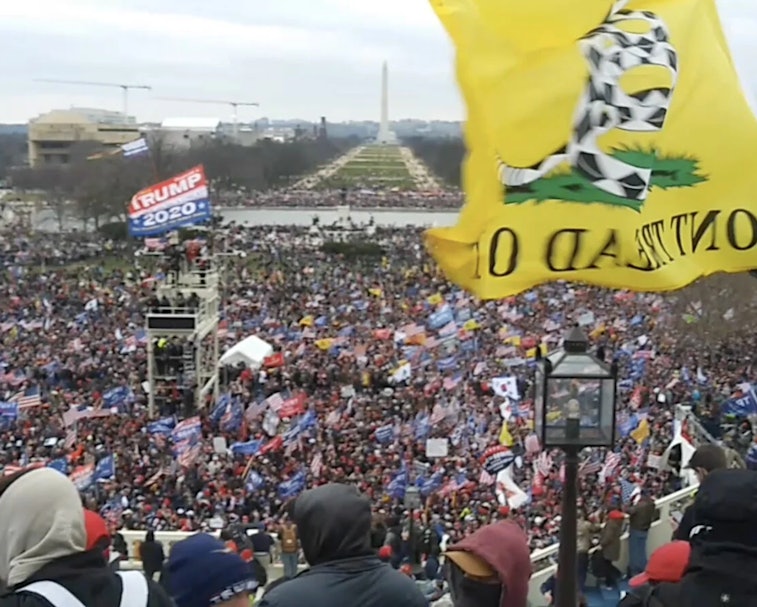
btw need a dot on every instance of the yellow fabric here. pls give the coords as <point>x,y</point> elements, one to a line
<point>505,438</point>
<point>523,69</point>
<point>642,432</point>
<point>324,344</point>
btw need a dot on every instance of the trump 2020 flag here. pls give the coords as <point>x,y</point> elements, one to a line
<point>609,142</point>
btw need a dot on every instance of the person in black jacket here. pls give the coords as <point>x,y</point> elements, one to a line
<point>43,554</point>
<point>722,568</point>
<point>703,461</point>
<point>152,555</point>
<point>334,523</point>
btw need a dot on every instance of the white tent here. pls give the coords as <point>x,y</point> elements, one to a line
<point>251,351</point>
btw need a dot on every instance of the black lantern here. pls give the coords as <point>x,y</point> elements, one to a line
<point>574,399</point>
<point>574,407</point>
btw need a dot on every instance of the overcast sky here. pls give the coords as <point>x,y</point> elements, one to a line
<point>298,58</point>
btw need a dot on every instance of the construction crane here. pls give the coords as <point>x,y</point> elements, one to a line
<point>124,87</point>
<point>234,105</point>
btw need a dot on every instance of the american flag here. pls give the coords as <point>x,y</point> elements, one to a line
<point>485,478</point>
<point>612,461</point>
<point>450,383</point>
<point>292,447</point>
<point>316,464</point>
<point>112,512</point>
<point>275,402</point>
<point>189,456</point>
<point>544,463</point>
<point>28,398</point>
<point>588,467</point>
<point>449,487</point>
<point>628,490</point>
<point>70,440</point>
<point>332,419</point>
<point>155,477</point>
<point>254,411</point>
<point>438,414</point>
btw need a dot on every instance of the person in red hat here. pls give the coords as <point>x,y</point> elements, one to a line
<point>665,567</point>
<point>97,534</point>
<point>385,553</point>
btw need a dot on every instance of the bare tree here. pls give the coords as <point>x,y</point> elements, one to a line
<point>716,308</point>
<point>13,151</point>
<point>52,181</point>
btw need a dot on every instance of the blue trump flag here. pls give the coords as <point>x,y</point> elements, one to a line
<point>60,464</point>
<point>250,448</point>
<point>742,405</point>
<point>105,469</point>
<point>292,487</point>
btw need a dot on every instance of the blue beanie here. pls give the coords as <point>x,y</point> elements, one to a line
<point>203,572</point>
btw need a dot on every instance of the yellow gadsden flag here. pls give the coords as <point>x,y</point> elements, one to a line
<point>609,143</point>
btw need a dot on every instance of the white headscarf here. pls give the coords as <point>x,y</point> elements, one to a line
<point>41,520</point>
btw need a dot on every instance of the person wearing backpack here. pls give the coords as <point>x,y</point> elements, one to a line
<point>44,561</point>
<point>290,548</point>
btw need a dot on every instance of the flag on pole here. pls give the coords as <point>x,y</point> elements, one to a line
<point>616,163</point>
<point>485,478</point>
<point>138,147</point>
<point>628,490</point>
<point>27,398</point>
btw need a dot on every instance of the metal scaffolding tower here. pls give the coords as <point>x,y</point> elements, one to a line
<point>188,330</point>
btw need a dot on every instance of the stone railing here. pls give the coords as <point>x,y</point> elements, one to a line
<point>667,514</point>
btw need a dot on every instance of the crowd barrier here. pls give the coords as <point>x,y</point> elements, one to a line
<point>668,512</point>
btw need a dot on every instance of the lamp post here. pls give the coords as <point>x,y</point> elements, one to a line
<point>412,503</point>
<point>574,408</point>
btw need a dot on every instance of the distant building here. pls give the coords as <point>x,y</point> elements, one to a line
<point>185,132</point>
<point>277,134</point>
<point>52,136</point>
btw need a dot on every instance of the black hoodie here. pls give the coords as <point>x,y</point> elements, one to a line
<point>723,564</point>
<point>334,527</point>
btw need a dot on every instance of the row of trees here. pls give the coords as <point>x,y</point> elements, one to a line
<point>13,151</point>
<point>443,156</point>
<point>98,190</point>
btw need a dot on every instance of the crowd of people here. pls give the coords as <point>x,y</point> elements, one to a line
<point>372,357</point>
<point>359,198</point>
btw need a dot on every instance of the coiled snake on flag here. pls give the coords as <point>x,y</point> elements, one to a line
<point>610,52</point>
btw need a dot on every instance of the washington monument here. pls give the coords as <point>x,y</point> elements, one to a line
<point>385,135</point>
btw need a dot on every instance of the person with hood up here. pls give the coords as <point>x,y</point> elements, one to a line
<point>334,524</point>
<point>44,561</point>
<point>490,568</point>
<point>722,569</point>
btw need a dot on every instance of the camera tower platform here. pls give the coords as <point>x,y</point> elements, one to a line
<point>182,331</point>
